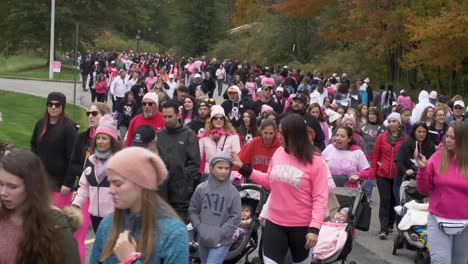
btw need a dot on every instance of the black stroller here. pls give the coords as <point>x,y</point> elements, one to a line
<point>359,215</point>
<point>408,193</point>
<point>256,197</point>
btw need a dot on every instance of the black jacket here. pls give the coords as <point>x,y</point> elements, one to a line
<point>197,125</point>
<point>126,113</point>
<point>85,67</point>
<point>257,106</point>
<point>81,150</point>
<point>183,162</point>
<point>406,154</point>
<point>312,122</point>
<point>55,150</point>
<point>193,88</point>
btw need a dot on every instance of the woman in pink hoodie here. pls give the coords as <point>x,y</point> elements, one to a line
<point>445,177</point>
<point>297,178</point>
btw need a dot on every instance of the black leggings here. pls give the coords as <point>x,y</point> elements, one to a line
<point>95,221</point>
<point>278,239</point>
<point>387,213</point>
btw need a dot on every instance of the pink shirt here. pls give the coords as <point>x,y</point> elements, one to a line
<point>446,189</point>
<point>149,82</point>
<point>299,192</point>
<point>11,234</point>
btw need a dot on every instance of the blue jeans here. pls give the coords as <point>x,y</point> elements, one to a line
<point>368,187</point>
<point>213,255</point>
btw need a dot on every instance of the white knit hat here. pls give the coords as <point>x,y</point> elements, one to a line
<point>217,110</point>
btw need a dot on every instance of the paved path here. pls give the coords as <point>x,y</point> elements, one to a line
<point>367,247</point>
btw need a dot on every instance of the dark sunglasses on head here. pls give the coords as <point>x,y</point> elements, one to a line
<point>209,100</point>
<point>147,103</point>
<point>217,118</point>
<point>93,113</point>
<point>57,105</point>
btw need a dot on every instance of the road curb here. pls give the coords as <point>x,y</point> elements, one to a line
<point>35,79</point>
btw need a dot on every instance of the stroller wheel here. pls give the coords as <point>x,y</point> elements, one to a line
<point>352,262</point>
<point>394,248</point>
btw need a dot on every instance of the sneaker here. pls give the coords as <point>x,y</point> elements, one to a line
<point>390,230</point>
<point>383,235</point>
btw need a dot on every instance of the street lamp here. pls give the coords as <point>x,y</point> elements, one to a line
<point>138,41</point>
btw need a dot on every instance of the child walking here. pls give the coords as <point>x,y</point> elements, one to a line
<point>215,211</point>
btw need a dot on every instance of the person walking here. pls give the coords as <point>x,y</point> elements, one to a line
<point>93,181</point>
<point>297,175</point>
<point>27,215</point>
<point>179,141</point>
<point>445,177</point>
<point>52,140</point>
<point>216,222</point>
<point>143,228</point>
<point>82,150</point>
<point>384,169</point>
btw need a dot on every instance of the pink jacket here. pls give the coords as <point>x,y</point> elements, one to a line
<point>446,189</point>
<point>208,147</point>
<point>405,101</point>
<point>101,203</point>
<point>299,192</point>
<point>331,239</point>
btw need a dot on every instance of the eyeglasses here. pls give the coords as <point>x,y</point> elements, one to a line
<point>57,105</point>
<point>93,113</point>
<point>217,118</point>
<point>147,103</point>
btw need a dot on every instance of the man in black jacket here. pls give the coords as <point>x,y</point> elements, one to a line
<point>183,162</point>
<point>265,98</point>
<point>198,123</point>
<point>299,103</point>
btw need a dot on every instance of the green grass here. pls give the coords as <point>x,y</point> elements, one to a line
<point>32,66</point>
<point>20,113</point>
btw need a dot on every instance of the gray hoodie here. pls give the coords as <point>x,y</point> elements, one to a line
<point>215,209</point>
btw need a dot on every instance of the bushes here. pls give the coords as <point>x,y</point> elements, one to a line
<point>109,41</point>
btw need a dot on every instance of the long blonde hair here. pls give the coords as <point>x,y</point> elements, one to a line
<point>153,208</point>
<point>228,128</point>
<point>460,130</point>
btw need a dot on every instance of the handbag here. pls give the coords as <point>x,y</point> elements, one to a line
<point>364,213</point>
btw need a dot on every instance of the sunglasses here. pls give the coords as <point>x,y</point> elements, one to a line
<point>147,103</point>
<point>217,118</point>
<point>57,105</point>
<point>210,100</point>
<point>93,113</point>
<point>458,107</point>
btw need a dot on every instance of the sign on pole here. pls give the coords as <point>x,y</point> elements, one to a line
<point>56,66</point>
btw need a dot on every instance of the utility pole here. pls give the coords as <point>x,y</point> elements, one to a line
<point>75,58</point>
<point>52,37</point>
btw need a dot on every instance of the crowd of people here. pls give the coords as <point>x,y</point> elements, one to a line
<point>161,152</point>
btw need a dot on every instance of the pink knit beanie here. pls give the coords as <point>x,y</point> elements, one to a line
<point>140,166</point>
<point>108,126</point>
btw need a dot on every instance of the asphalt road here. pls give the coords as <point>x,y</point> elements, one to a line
<point>367,247</point>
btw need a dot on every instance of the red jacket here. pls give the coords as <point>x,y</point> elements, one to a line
<point>156,121</point>
<point>384,155</point>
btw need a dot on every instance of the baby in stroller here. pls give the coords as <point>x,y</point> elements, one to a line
<point>245,222</point>
<point>412,229</point>
<point>332,236</point>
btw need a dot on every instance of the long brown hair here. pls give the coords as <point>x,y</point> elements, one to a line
<point>153,208</point>
<point>460,130</point>
<point>37,231</point>
<point>115,144</point>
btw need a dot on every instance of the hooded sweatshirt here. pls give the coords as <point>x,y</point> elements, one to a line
<point>215,209</point>
<point>423,102</point>
<point>299,192</point>
<point>257,155</point>
<point>235,110</point>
